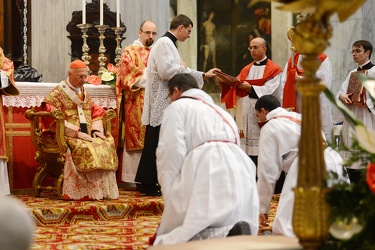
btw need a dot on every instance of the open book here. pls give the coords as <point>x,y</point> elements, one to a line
<point>355,86</point>
<point>226,79</point>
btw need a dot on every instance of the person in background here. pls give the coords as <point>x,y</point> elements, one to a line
<point>208,182</point>
<point>91,159</point>
<point>260,77</point>
<point>293,71</point>
<point>130,89</point>
<point>7,87</point>
<point>278,151</point>
<point>16,225</point>
<point>163,63</point>
<point>363,110</point>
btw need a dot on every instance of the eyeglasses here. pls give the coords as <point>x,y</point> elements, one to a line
<point>149,33</point>
<point>357,51</point>
<point>252,47</point>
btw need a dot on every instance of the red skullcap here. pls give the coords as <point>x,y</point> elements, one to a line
<point>77,64</point>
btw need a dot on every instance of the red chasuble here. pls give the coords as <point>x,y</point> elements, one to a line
<point>130,98</point>
<point>6,65</point>
<point>229,94</point>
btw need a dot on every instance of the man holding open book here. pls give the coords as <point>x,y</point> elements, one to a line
<point>260,77</point>
<point>354,96</point>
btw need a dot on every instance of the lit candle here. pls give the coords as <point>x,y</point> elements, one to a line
<point>101,12</point>
<point>117,13</point>
<point>84,11</point>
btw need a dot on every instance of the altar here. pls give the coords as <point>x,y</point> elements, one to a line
<point>21,164</point>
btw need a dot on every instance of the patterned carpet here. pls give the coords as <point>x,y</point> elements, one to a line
<point>126,223</point>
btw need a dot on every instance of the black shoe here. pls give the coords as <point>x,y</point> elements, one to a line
<point>240,228</point>
<point>140,188</point>
<point>153,192</point>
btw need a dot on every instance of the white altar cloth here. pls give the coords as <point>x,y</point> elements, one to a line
<point>32,94</point>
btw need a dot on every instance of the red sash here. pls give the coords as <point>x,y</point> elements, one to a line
<point>293,119</point>
<point>289,92</point>
<point>229,94</point>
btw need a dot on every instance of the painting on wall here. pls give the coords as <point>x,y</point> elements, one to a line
<point>225,31</point>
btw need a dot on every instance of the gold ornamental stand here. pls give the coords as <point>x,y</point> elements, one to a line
<point>85,48</point>
<point>311,211</point>
<point>118,51</point>
<point>102,50</point>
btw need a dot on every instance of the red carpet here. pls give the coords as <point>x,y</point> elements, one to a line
<point>126,223</point>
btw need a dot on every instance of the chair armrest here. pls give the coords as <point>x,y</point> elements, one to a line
<point>107,121</point>
<point>55,144</point>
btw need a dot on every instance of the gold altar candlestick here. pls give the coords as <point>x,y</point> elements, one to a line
<point>85,48</point>
<point>311,211</point>
<point>101,58</point>
<point>118,51</point>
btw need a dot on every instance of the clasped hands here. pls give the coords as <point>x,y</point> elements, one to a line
<point>87,137</point>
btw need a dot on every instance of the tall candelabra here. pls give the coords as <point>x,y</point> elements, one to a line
<point>85,48</point>
<point>25,32</point>
<point>118,32</point>
<point>101,58</point>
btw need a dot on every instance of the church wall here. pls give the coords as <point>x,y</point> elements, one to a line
<point>50,46</point>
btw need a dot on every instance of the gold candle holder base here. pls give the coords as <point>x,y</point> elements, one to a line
<point>85,48</point>
<point>101,58</point>
<point>311,210</point>
<point>118,51</point>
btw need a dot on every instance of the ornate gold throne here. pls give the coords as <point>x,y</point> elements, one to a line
<point>51,148</point>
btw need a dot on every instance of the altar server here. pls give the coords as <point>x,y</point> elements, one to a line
<point>163,63</point>
<point>260,77</point>
<point>293,71</point>
<point>363,110</point>
<point>207,181</point>
<point>278,151</point>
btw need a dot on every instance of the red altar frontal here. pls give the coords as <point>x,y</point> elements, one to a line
<point>21,164</point>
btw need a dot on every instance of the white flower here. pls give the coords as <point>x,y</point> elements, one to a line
<point>107,76</point>
<point>343,230</point>
<point>366,138</point>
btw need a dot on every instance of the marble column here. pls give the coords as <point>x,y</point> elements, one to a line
<point>281,21</point>
<point>189,49</point>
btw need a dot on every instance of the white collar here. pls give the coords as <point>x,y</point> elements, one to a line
<point>364,64</point>
<point>138,43</point>
<point>261,60</point>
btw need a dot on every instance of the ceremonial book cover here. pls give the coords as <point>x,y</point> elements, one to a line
<point>355,86</point>
<point>226,79</point>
